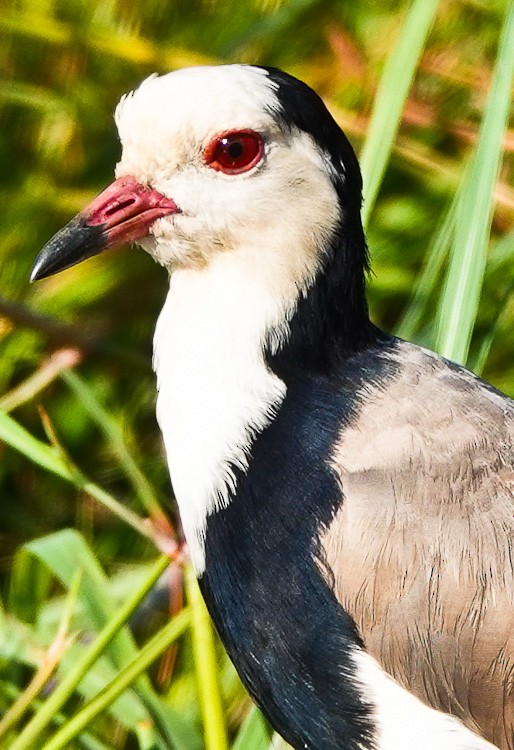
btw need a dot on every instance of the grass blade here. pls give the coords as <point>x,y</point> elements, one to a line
<point>38,381</point>
<point>48,665</point>
<point>206,668</point>
<point>429,277</point>
<point>166,636</point>
<point>46,456</point>
<point>479,363</point>
<point>392,92</point>
<point>459,305</point>
<point>86,740</point>
<point>71,680</point>
<point>62,553</point>
<point>112,431</point>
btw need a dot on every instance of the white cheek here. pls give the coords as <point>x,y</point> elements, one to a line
<point>217,211</point>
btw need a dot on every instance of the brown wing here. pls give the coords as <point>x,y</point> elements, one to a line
<point>421,550</point>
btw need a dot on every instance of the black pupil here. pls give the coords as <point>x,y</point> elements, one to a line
<point>235,149</point>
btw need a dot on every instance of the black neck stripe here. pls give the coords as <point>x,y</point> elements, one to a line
<point>288,636</point>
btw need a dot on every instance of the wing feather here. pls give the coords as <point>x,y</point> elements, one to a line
<point>421,550</point>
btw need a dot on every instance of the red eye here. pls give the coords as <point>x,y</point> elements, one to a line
<point>234,153</point>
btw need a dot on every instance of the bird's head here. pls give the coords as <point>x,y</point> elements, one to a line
<point>227,159</point>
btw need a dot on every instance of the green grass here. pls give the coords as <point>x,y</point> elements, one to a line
<point>88,658</point>
<point>459,304</point>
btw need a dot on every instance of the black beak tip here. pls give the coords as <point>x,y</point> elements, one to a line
<point>76,242</point>
<point>38,269</point>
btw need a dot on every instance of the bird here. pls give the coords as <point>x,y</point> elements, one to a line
<point>346,496</point>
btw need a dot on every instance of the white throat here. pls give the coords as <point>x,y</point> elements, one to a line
<point>215,389</point>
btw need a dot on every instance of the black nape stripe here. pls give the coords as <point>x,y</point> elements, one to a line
<point>287,635</point>
<point>332,320</point>
<point>290,640</point>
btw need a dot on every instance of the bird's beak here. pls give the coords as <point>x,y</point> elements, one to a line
<point>122,213</point>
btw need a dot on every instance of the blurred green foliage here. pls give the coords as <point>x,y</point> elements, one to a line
<point>64,66</point>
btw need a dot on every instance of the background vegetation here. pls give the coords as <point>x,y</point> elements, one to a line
<point>423,90</point>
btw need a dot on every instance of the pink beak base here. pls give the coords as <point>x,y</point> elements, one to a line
<point>122,213</point>
<point>126,210</point>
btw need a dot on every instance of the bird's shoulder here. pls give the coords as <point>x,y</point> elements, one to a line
<point>412,407</point>
<point>425,464</point>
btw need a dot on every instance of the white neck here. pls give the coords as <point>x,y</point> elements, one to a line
<point>215,389</point>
